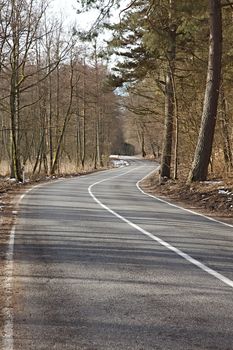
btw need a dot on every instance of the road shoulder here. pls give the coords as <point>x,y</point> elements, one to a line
<point>213,198</point>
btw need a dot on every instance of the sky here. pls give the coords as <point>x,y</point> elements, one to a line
<point>66,8</point>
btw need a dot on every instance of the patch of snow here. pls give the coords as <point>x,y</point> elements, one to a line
<point>213,182</point>
<point>114,156</point>
<point>12,180</point>
<point>225,192</point>
<point>118,156</point>
<point>119,163</point>
<point>131,157</point>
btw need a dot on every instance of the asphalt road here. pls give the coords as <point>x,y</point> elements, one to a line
<point>89,275</point>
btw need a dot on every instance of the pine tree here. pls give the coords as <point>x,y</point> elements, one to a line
<point>203,151</point>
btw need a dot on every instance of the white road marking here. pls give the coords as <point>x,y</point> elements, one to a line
<point>179,252</point>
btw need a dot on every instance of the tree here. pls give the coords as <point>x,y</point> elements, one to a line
<point>20,22</point>
<point>199,170</point>
<point>54,100</point>
<point>68,114</point>
<point>153,39</point>
<point>165,170</point>
<point>25,20</point>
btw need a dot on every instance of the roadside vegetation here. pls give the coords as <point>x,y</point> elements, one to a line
<point>58,115</point>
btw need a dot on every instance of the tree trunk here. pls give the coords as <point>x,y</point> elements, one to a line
<point>97,144</point>
<point>78,144</point>
<point>98,160</point>
<point>57,108</point>
<point>141,138</point>
<point>16,170</point>
<point>78,124</point>
<point>50,128</point>
<point>225,133</point>
<point>176,141</point>
<point>165,171</point>
<point>143,143</point>
<point>39,153</point>
<point>199,170</point>
<point>84,115</point>
<point>152,144</point>
<point>66,121</point>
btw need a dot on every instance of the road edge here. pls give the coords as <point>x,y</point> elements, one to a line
<point>176,205</point>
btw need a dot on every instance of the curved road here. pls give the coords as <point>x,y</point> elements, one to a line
<point>100,265</point>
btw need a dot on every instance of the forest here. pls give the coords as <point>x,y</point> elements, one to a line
<point>58,113</point>
<point>161,86</point>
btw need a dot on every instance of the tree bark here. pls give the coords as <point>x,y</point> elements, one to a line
<point>141,137</point>
<point>199,170</point>
<point>84,115</point>
<point>98,151</point>
<point>165,170</point>
<point>176,133</point>
<point>16,170</point>
<point>228,158</point>
<point>66,120</point>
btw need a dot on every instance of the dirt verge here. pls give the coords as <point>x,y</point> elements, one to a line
<point>213,198</point>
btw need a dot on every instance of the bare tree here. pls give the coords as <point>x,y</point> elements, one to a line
<point>23,18</point>
<point>68,115</point>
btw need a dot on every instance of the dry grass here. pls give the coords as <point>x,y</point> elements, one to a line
<point>65,167</point>
<point>4,168</point>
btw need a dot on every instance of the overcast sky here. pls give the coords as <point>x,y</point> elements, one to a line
<point>66,8</point>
